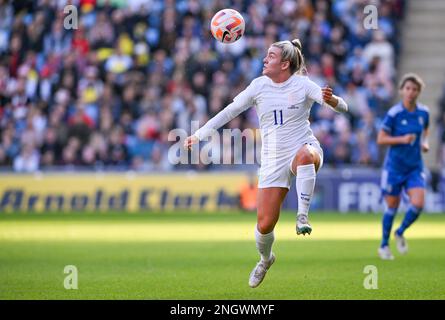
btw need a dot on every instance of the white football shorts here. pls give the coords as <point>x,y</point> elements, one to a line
<point>278,173</point>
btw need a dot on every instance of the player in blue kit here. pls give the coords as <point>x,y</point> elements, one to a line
<point>405,131</point>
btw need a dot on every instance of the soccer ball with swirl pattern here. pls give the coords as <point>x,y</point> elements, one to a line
<point>227,26</point>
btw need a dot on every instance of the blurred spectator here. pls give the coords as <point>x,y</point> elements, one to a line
<point>248,195</point>
<point>381,48</point>
<point>108,93</point>
<point>27,160</point>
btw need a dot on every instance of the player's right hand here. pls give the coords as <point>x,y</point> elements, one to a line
<point>189,141</point>
<point>408,138</point>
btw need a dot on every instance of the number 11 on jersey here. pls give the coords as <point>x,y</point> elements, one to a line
<point>275,113</point>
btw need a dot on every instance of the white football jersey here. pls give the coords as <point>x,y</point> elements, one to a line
<point>283,110</point>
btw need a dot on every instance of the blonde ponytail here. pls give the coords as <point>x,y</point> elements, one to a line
<point>292,51</point>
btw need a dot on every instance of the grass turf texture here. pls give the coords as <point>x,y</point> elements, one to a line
<point>205,256</point>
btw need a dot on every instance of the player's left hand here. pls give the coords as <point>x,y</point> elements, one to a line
<point>425,147</point>
<point>327,94</point>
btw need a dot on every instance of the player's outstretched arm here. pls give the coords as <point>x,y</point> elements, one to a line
<point>240,103</point>
<point>384,138</point>
<point>336,103</point>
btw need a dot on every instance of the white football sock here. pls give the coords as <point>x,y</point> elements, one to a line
<point>264,243</point>
<point>305,187</point>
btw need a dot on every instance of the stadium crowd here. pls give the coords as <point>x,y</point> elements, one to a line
<point>107,94</point>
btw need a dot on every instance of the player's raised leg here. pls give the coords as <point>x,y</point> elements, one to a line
<point>305,165</point>
<point>417,200</point>
<point>268,212</point>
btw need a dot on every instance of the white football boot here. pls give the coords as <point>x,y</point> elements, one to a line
<point>385,253</point>
<point>402,245</point>
<point>303,225</point>
<point>259,272</point>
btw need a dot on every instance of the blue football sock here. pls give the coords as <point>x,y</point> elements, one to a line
<point>411,215</point>
<point>388,219</point>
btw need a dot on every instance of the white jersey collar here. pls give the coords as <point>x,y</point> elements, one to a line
<point>281,84</point>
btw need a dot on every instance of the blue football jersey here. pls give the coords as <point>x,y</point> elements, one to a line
<point>398,122</point>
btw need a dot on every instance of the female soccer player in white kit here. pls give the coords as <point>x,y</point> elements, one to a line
<point>283,98</point>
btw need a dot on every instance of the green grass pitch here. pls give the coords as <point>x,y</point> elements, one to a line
<point>209,256</point>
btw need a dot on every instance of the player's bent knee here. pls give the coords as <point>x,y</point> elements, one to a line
<point>392,202</point>
<point>417,202</point>
<point>303,157</point>
<point>392,205</point>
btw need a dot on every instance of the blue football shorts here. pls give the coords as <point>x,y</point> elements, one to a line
<point>392,183</point>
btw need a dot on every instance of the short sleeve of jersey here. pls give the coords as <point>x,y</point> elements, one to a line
<point>313,91</point>
<point>388,123</point>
